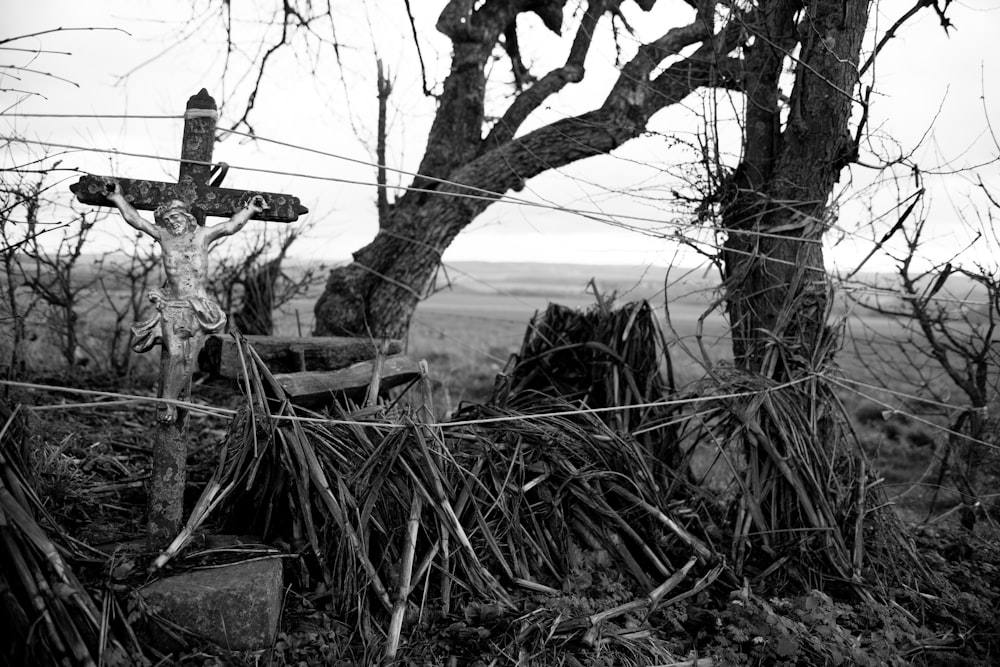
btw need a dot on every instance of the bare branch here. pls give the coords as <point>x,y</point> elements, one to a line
<point>550,84</point>
<point>384,87</point>
<point>891,32</point>
<point>35,71</point>
<point>416,43</point>
<point>917,196</point>
<point>60,29</point>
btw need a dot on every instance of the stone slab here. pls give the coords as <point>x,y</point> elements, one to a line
<point>236,606</point>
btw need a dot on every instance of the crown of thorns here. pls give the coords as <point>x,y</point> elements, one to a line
<point>170,206</point>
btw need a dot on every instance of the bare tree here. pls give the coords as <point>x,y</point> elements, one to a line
<point>45,273</point>
<point>775,210</point>
<point>945,338</point>
<point>56,277</point>
<point>384,88</point>
<point>124,286</point>
<point>794,65</point>
<point>468,154</point>
<point>19,194</point>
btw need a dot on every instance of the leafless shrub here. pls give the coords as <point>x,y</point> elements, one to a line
<point>57,278</point>
<point>938,333</point>
<point>251,285</point>
<point>16,194</point>
<point>123,287</point>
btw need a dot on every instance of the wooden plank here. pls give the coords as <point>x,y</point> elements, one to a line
<point>290,354</point>
<point>319,387</point>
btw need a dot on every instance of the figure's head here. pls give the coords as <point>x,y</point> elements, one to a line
<point>175,216</point>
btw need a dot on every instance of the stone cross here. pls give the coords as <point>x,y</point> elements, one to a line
<point>185,312</point>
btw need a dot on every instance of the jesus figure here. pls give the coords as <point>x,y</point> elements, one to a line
<point>185,314</point>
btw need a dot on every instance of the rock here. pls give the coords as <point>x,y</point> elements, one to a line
<point>235,606</point>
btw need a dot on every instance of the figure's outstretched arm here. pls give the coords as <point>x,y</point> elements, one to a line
<point>113,193</point>
<point>255,204</point>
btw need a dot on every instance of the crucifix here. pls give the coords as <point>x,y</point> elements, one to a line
<point>185,314</point>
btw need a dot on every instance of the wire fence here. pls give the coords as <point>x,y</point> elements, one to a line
<point>454,189</point>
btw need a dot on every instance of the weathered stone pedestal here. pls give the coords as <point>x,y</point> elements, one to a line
<point>236,606</point>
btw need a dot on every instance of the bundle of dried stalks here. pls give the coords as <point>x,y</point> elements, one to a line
<point>778,461</point>
<point>784,465</point>
<point>512,513</point>
<point>400,523</point>
<point>47,616</point>
<point>598,358</point>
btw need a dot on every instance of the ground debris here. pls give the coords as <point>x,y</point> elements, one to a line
<point>532,530</point>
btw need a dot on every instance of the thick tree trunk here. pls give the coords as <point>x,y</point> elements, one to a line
<point>776,284</point>
<point>377,293</point>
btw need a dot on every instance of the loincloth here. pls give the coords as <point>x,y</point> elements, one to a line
<point>194,312</point>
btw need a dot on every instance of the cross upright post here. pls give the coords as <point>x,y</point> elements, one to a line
<point>185,314</point>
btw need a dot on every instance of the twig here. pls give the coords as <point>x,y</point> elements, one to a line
<point>859,523</point>
<point>650,601</point>
<point>371,396</point>
<point>59,29</point>
<point>118,486</point>
<point>405,573</point>
<point>697,545</point>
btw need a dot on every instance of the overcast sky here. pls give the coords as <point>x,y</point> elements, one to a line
<point>931,88</point>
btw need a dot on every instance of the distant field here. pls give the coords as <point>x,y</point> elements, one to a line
<point>483,309</point>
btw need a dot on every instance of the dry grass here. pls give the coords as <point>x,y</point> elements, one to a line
<point>49,616</point>
<point>551,531</point>
<point>403,521</point>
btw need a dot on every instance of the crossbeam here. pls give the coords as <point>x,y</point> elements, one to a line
<point>193,182</point>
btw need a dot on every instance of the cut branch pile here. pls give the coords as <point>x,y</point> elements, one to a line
<point>512,513</point>
<point>783,471</point>
<point>506,519</point>
<point>600,358</point>
<point>788,473</point>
